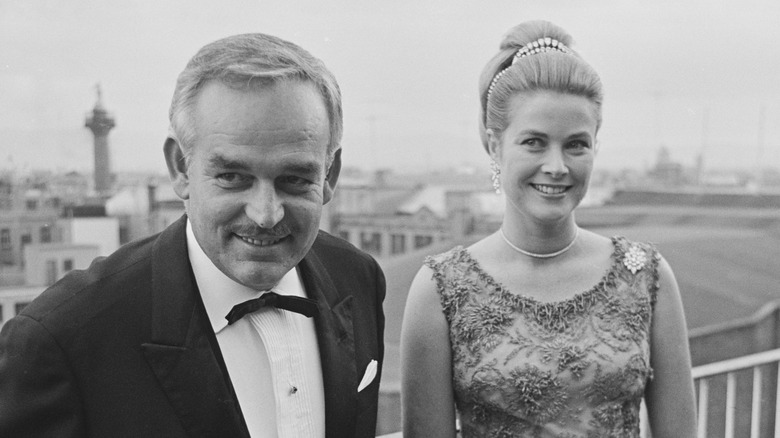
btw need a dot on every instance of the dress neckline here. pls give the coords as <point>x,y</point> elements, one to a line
<point>580,297</point>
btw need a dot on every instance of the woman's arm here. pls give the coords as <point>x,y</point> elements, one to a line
<point>669,396</point>
<point>426,367</point>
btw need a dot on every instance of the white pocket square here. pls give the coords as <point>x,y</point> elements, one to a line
<point>368,377</point>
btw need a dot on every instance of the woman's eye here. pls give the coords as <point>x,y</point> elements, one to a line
<point>579,145</point>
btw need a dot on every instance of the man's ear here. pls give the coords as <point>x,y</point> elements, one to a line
<point>494,145</point>
<point>177,167</point>
<point>331,178</point>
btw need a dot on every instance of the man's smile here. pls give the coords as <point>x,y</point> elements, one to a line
<point>268,241</point>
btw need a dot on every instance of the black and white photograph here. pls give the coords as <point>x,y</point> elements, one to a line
<point>301,218</point>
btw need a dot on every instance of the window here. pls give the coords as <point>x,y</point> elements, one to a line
<point>32,204</point>
<point>26,238</point>
<point>67,265</point>
<point>371,242</point>
<point>5,239</point>
<point>397,244</point>
<point>1,314</point>
<point>51,272</point>
<point>344,234</point>
<point>45,234</point>
<point>21,306</point>
<point>422,241</point>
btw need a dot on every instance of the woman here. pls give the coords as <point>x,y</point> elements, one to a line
<point>543,329</point>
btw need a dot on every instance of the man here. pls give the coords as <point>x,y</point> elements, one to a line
<point>146,342</point>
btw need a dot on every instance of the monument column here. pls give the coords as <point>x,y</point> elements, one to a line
<point>101,122</point>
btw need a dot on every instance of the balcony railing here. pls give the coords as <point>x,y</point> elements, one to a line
<point>762,366</point>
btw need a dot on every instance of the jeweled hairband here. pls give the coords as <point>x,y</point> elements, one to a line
<point>541,45</point>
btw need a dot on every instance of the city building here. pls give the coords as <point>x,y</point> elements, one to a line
<point>387,219</point>
<point>27,215</point>
<point>46,263</point>
<point>144,209</point>
<point>14,299</point>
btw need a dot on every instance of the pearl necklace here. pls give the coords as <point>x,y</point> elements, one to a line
<point>541,256</point>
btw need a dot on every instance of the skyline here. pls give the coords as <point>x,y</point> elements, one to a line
<point>690,77</point>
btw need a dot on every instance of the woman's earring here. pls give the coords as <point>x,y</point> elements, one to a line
<point>495,176</point>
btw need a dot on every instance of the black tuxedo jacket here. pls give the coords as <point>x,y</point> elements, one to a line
<point>125,349</point>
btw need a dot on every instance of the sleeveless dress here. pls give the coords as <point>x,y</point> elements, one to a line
<point>575,368</point>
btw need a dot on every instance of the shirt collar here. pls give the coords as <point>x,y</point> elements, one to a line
<point>220,292</point>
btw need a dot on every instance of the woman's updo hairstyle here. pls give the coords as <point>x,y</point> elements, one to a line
<point>551,70</point>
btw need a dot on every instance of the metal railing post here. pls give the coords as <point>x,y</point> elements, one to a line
<point>704,400</point>
<point>755,415</point>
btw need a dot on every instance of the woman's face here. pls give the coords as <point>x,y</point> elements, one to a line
<point>546,154</point>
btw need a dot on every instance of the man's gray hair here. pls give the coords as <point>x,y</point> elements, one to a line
<point>249,59</point>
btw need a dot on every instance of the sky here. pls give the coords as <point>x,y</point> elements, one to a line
<point>694,77</point>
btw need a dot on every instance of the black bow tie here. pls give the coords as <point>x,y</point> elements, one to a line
<point>304,306</point>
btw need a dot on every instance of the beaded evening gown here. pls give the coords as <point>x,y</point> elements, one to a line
<point>569,369</point>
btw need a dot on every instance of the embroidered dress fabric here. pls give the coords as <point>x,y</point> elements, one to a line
<point>575,368</point>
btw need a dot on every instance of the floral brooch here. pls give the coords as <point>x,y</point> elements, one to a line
<point>635,259</point>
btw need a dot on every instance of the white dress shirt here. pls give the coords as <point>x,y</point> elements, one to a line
<point>271,355</point>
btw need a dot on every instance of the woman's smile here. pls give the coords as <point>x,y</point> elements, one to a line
<point>548,189</point>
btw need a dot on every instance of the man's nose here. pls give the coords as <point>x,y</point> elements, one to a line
<point>555,163</point>
<point>264,206</point>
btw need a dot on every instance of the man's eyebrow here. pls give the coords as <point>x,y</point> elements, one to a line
<point>301,167</point>
<point>306,167</point>
<point>221,162</point>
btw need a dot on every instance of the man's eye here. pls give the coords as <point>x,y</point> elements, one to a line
<point>231,179</point>
<point>295,180</point>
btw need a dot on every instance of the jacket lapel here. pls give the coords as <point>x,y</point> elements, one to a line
<point>337,347</point>
<point>181,353</point>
